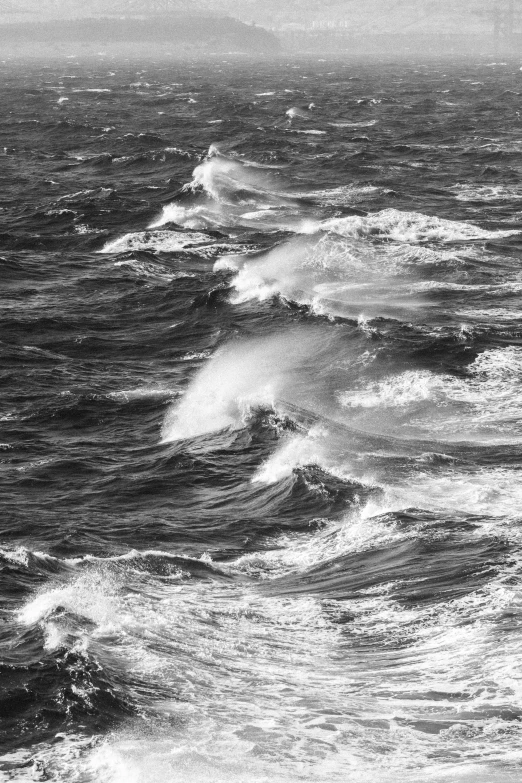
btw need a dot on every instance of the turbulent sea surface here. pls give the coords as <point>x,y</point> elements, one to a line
<point>261,422</point>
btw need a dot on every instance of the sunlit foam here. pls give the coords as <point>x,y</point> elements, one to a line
<point>345,195</point>
<point>311,132</point>
<point>91,596</point>
<point>385,667</point>
<point>297,112</point>
<point>161,241</point>
<point>132,758</point>
<point>338,276</point>
<point>149,270</point>
<point>192,217</point>
<point>410,227</point>
<point>240,377</point>
<point>225,179</point>
<point>484,405</point>
<point>487,193</point>
<point>295,452</point>
<point>226,192</point>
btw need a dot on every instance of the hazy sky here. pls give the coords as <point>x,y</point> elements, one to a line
<point>360,15</point>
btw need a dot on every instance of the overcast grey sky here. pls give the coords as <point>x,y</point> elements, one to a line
<point>367,16</point>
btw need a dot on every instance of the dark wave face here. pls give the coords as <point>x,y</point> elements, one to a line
<point>261,422</point>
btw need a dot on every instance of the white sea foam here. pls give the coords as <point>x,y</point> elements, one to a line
<point>338,276</point>
<point>83,228</point>
<point>296,112</point>
<point>143,393</point>
<point>160,241</point>
<point>487,193</point>
<point>88,596</point>
<point>213,215</point>
<point>410,227</point>
<point>129,758</point>
<point>346,124</point>
<point>344,195</point>
<point>240,377</point>
<point>296,451</point>
<point>504,315</point>
<point>224,178</point>
<point>227,192</point>
<point>21,555</point>
<point>151,271</point>
<point>298,553</point>
<point>181,216</point>
<point>174,637</point>
<point>91,596</point>
<point>286,717</point>
<point>311,132</point>
<point>495,493</point>
<point>484,405</point>
<point>396,391</point>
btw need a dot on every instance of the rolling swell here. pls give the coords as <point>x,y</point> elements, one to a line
<point>260,428</point>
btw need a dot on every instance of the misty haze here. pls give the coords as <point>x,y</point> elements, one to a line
<point>188,27</point>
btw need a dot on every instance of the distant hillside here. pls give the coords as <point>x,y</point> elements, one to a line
<point>183,34</point>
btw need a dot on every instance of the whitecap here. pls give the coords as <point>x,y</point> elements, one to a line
<point>335,275</point>
<point>485,405</point>
<point>226,179</point>
<point>160,241</point>
<point>362,124</point>
<point>150,270</point>
<point>297,451</point>
<point>238,379</point>
<point>344,195</point>
<point>487,193</point>
<point>311,132</point>
<point>410,227</point>
<point>297,112</point>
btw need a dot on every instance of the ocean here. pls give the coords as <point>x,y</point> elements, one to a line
<point>261,421</point>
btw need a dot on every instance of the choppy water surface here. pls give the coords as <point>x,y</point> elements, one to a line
<point>261,422</point>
